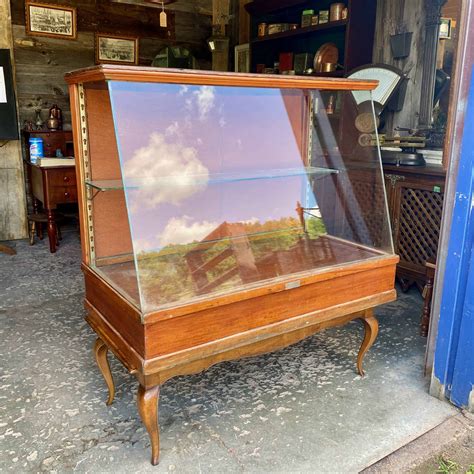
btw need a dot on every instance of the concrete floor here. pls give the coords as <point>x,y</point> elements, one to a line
<point>303,409</point>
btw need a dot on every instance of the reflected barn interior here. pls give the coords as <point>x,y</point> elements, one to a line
<point>181,212</point>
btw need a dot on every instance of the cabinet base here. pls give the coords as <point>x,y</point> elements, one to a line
<point>148,396</point>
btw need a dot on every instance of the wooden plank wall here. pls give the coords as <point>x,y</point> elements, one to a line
<point>12,191</point>
<point>42,62</point>
<point>393,16</point>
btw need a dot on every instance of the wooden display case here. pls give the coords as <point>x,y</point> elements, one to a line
<point>219,219</point>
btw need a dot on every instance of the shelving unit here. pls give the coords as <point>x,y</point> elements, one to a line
<point>353,37</point>
<point>302,31</point>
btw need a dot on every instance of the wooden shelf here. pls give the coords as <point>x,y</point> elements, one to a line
<point>302,31</point>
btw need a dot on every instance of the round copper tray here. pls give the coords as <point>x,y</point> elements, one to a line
<point>327,53</point>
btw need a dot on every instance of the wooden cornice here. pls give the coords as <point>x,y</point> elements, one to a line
<point>212,78</point>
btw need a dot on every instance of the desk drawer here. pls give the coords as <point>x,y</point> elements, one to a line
<point>63,194</point>
<point>63,177</point>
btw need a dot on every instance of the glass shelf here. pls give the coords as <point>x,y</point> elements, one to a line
<point>217,178</point>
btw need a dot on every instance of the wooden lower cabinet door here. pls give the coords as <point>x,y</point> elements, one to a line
<point>416,221</point>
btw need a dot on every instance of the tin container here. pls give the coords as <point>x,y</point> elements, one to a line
<point>315,20</point>
<point>335,11</point>
<point>262,29</point>
<point>328,67</point>
<point>306,18</point>
<point>36,149</point>
<point>323,16</point>
<point>275,28</point>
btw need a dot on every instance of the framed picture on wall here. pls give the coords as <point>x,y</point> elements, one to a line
<point>242,58</point>
<point>55,21</point>
<point>114,49</point>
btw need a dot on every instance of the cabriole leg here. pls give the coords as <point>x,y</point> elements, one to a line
<point>147,400</point>
<point>371,327</point>
<point>100,353</point>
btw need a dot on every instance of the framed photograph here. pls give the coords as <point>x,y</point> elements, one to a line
<point>56,21</point>
<point>445,28</point>
<point>242,58</point>
<point>113,49</point>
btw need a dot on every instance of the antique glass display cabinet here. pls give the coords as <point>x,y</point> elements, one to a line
<point>224,215</point>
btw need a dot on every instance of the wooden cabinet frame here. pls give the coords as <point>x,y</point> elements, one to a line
<point>415,199</point>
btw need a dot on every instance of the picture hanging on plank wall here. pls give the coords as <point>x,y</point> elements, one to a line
<point>114,49</point>
<point>55,21</point>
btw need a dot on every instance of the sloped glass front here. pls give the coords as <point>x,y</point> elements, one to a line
<point>229,187</point>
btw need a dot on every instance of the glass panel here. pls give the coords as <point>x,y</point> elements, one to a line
<point>230,187</point>
<point>111,251</point>
<point>353,203</point>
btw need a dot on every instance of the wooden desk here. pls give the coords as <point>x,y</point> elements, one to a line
<point>52,186</point>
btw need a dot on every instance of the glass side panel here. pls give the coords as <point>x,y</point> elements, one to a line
<point>110,242</point>
<point>229,187</point>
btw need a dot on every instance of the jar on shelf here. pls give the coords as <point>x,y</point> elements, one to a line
<point>335,11</point>
<point>306,18</point>
<point>323,16</point>
<point>262,29</point>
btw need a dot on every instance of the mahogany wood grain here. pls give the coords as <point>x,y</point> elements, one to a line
<point>213,78</point>
<point>151,372</point>
<point>116,309</point>
<point>271,337</point>
<point>179,333</point>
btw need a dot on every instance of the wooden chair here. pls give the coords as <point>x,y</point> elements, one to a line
<point>35,225</point>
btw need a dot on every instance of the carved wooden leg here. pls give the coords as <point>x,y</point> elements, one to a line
<point>425,315</point>
<point>51,230</point>
<point>147,400</point>
<point>371,327</point>
<point>39,229</point>
<point>31,231</point>
<point>100,353</point>
<point>35,205</point>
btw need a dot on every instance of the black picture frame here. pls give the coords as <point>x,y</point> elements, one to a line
<point>8,112</point>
